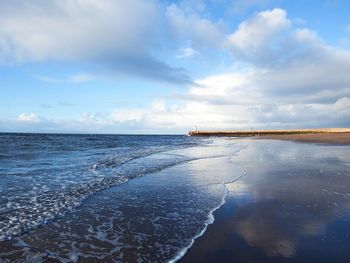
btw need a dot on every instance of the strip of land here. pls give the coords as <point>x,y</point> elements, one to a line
<point>332,138</point>
<point>322,135</point>
<point>250,133</point>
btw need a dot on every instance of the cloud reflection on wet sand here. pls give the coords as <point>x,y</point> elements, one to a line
<point>293,205</point>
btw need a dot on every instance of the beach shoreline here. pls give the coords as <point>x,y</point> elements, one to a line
<point>267,132</point>
<point>328,138</point>
<point>220,200</point>
<point>154,215</point>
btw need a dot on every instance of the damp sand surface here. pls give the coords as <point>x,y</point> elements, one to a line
<point>327,138</point>
<point>293,205</point>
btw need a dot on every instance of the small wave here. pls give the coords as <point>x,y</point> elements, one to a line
<point>172,212</point>
<point>20,216</point>
<point>210,220</point>
<point>113,161</point>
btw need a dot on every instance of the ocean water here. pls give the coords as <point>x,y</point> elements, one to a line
<point>109,198</point>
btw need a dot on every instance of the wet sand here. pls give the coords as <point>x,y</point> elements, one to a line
<point>330,138</point>
<point>269,132</point>
<point>293,205</point>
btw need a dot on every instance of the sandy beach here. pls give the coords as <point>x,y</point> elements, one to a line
<point>331,138</point>
<point>292,205</point>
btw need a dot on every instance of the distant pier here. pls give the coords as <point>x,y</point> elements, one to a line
<point>252,133</point>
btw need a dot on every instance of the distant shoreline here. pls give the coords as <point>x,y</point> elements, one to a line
<point>250,133</point>
<point>322,135</point>
<point>329,138</point>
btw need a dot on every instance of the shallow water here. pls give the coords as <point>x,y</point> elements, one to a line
<point>43,176</point>
<point>80,207</point>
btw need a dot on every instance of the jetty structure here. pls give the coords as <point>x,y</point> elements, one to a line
<point>253,133</point>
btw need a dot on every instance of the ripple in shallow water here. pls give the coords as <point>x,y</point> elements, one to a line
<point>153,218</point>
<point>44,176</point>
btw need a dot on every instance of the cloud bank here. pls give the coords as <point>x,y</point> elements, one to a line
<point>119,36</point>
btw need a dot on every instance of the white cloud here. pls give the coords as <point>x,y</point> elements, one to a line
<point>88,118</point>
<point>342,104</point>
<point>187,24</point>
<point>187,51</point>
<point>28,117</point>
<point>269,39</point>
<point>115,35</point>
<point>254,34</point>
<point>289,78</point>
<point>158,105</point>
<point>74,29</point>
<point>127,115</point>
<point>294,80</point>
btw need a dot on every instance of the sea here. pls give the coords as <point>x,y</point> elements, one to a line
<point>109,198</point>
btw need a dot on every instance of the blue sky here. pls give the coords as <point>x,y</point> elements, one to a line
<point>148,66</point>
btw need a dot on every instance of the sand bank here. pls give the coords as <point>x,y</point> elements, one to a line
<point>252,133</point>
<point>332,138</point>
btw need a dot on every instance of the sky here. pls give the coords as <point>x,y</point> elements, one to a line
<point>163,67</point>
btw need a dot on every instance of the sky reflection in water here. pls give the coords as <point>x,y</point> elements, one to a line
<point>292,205</point>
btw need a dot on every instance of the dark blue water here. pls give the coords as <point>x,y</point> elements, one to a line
<point>44,175</point>
<point>109,198</point>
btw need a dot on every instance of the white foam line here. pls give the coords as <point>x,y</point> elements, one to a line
<point>209,221</point>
